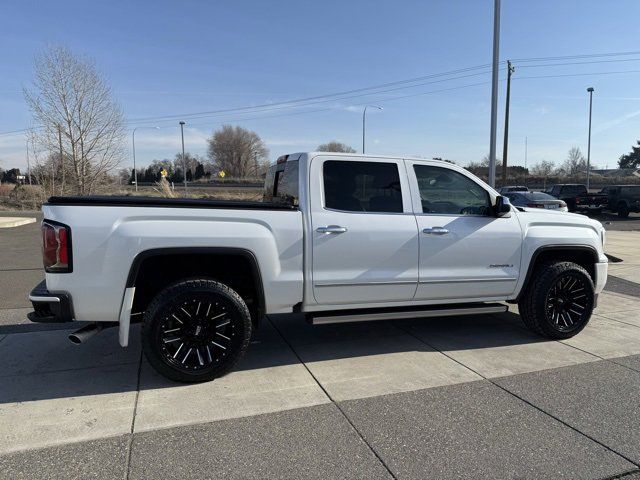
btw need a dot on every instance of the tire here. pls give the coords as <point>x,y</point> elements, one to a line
<point>559,300</point>
<point>196,330</point>
<point>623,210</point>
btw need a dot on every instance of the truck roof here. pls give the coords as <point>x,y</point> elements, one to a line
<point>356,156</point>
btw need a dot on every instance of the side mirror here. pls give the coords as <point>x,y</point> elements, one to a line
<point>502,206</point>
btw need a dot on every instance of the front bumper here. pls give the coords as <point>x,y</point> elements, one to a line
<point>50,307</point>
<point>601,276</point>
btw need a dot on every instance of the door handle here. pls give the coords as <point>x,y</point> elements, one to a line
<point>331,229</point>
<point>435,231</point>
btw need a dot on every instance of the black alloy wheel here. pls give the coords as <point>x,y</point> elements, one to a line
<point>567,302</point>
<point>558,301</point>
<point>196,330</point>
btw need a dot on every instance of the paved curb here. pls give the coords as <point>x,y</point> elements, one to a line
<point>8,222</point>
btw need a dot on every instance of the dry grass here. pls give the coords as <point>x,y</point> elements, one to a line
<point>27,197</point>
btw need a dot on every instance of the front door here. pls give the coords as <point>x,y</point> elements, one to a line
<point>365,239</point>
<point>466,253</point>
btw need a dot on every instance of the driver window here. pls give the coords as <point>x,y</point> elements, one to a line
<point>447,192</point>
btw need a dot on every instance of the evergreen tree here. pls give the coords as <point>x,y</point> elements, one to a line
<point>632,159</point>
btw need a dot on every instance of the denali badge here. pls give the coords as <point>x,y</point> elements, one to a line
<point>500,265</point>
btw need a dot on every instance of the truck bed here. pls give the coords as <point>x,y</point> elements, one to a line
<point>131,201</point>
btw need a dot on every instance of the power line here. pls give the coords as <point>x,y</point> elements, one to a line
<point>579,63</point>
<point>376,89</point>
<point>318,97</point>
<point>570,57</point>
<point>578,74</point>
<point>328,100</point>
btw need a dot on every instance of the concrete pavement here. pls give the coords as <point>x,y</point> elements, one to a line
<point>461,397</point>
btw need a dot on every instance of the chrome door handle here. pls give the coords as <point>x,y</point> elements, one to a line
<point>331,229</point>
<point>435,231</point>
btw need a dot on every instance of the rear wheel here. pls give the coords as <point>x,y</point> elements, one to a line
<point>623,210</point>
<point>559,300</point>
<point>196,330</point>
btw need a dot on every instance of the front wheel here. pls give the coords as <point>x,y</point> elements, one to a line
<point>196,330</point>
<point>559,300</point>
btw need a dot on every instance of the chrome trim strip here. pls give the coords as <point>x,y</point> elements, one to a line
<point>44,299</point>
<point>366,317</point>
<point>364,284</point>
<point>470,280</point>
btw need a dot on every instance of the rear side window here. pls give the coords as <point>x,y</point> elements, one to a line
<point>362,186</point>
<point>281,184</point>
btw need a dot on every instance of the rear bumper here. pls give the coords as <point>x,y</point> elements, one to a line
<point>601,276</point>
<point>50,307</point>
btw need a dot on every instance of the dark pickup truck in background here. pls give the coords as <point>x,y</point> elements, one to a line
<point>623,199</point>
<point>578,198</point>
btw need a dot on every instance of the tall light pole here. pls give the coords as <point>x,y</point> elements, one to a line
<point>590,90</point>
<point>133,140</point>
<point>494,93</point>
<point>184,162</point>
<point>364,113</point>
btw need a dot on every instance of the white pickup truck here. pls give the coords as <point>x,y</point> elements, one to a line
<point>338,238</point>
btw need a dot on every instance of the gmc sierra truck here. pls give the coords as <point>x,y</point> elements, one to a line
<point>338,238</point>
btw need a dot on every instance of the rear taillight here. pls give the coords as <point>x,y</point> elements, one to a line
<point>535,205</point>
<point>56,247</point>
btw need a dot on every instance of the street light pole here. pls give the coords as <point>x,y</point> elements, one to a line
<point>364,113</point>
<point>590,90</point>
<point>184,162</point>
<point>494,93</point>
<point>133,140</point>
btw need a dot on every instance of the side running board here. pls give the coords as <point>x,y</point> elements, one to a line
<point>323,318</point>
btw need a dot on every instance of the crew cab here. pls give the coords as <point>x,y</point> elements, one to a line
<point>623,199</point>
<point>338,238</point>
<point>578,198</point>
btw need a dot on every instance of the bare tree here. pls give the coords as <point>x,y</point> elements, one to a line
<point>542,169</point>
<point>575,162</point>
<point>335,146</point>
<point>237,151</point>
<point>75,112</point>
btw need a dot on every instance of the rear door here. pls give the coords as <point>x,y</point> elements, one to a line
<point>466,253</point>
<point>365,239</point>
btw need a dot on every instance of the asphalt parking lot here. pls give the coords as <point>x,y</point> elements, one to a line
<point>467,397</point>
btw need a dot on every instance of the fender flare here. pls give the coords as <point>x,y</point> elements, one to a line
<point>169,251</point>
<point>546,248</point>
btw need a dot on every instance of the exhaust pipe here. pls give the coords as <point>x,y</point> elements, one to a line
<point>85,333</point>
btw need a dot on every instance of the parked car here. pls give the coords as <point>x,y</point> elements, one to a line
<point>512,188</point>
<point>536,200</point>
<point>340,238</point>
<point>578,198</point>
<point>623,199</point>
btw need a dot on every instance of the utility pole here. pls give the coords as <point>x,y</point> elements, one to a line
<point>184,160</point>
<point>494,93</point>
<point>510,70</point>
<point>61,158</point>
<point>28,163</point>
<point>590,90</point>
<point>525,160</point>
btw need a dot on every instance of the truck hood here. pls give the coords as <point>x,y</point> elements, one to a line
<point>537,216</point>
